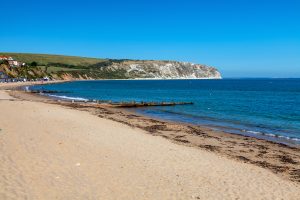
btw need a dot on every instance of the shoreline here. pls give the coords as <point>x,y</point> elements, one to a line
<point>290,141</point>
<point>293,142</point>
<point>17,85</point>
<point>279,158</point>
<point>62,150</point>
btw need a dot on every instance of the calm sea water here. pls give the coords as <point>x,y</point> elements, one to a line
<point>266,108</point>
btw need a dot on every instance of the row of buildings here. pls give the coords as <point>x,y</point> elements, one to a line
<point>11,61</point>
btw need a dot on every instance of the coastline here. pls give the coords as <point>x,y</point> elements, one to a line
<point>289,141</point>
<point>16,85</point>
<point>204,160</point>
<point>244,131</point>
<point>281,159</point>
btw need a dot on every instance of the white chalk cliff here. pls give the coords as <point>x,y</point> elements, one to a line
<point>165,70</point>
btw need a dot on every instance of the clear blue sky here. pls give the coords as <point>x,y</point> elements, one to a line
<point>242,38</point>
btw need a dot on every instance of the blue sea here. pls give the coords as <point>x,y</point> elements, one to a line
<point>263,108</point>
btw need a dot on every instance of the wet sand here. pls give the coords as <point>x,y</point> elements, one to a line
<point>60,150</point>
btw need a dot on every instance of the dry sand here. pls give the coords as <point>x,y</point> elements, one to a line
<point>52,152</point>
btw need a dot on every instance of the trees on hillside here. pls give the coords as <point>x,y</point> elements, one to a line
<point>33,64</point>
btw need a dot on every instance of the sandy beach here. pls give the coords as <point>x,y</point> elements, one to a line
<point>52,151</point>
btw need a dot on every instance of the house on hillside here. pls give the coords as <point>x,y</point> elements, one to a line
<point>6,58</point>
<point>15,63</point>
<point>11,61</point>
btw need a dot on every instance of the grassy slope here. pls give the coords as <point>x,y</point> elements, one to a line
<point>59,66</point>
<point>44,59</point>
<point>57,69</point>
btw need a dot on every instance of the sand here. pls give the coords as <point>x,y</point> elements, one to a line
<point>283,160</point>
<point>12,85</point>
<point>48,151</point>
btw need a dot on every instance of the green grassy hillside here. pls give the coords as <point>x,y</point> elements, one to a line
<point>45,59</point>
<point>62,67</point>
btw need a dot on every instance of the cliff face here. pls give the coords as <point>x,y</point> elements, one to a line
<point>165,70</point>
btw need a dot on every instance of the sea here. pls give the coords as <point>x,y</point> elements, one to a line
<point>262,108</point>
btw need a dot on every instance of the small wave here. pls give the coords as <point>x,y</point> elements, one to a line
<point>253,132</point>
<point>69,98</point>
<point>274,135</point>
<point>295,139</point>
<point>270,134</point>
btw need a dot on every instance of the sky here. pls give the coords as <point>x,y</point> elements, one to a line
<point>242,38</point>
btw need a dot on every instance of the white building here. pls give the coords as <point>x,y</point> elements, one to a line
<point>11,61</point>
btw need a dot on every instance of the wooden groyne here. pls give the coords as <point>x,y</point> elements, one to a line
<point>44,91</point>
<point>145,104</point>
